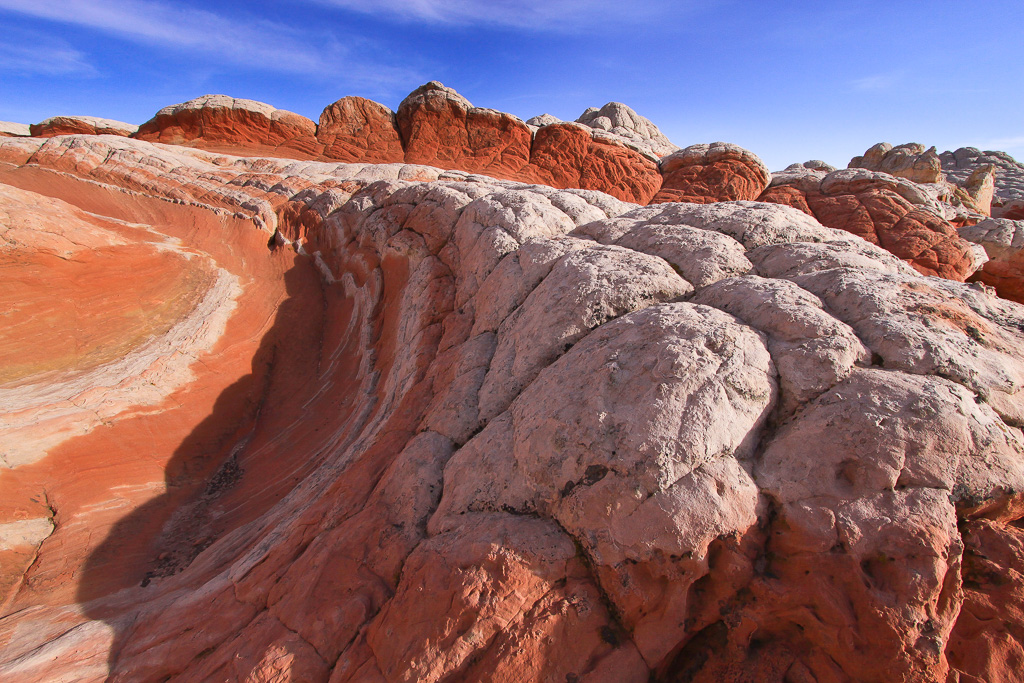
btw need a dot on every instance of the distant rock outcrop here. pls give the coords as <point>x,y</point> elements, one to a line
<point>911,161</point>
<point>11,129</point>
<point>81,125</point>
<point>221,123</point>
<point>1008,199</point>
<point>574,155</point>
<point>441,128</point>
<point>895,213</point>
<point>638,132</point>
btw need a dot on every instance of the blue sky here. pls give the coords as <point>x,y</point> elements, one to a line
<point>790,80</point>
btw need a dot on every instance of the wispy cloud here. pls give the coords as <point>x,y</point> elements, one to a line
<point>29,53</point>
<point>878,82</point>
<point>539,15</point>
<point>239,41</point>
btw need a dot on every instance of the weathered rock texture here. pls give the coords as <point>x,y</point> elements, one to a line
<point>221,123</point>
<point>11,129</point>
<point>639,132</point>
<point>903,217</point>
<point>81,125</point>
<point>1003,241</point>
<point>1008,200</point>
<point>354,129</point>
<point>911,161</point>
<point>717,172</point>
<point>398,423</point>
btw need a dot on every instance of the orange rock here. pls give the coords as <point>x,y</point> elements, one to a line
<point>870,206</point>
<point>81,125</point>
<point>466,429</point>
<point>229,125</point>
<point>986,644</point>
<point>572,155</point>
<point>441,128</point>
<point>718,172</point>
<point>355,129</point>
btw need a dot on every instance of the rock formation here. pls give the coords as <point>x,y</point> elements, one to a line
<point>911,161</point>
<point>10,129</point>
<point>221,123</point>
<point>400,422</point>
<point>639,132</point>
<point>441,128</point>
<point>712,173</point>
<point>899,215</point>
<point>81,125</point>
<point>1008,199</point>
<point>355,130</point>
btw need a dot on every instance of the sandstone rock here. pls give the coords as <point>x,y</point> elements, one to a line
<point>638,131</point>
<point>543,120</point>
<point>226,124</point>
<point>354,129</point>
<point>441,128</point>
<point>81,125</point>
<point>981,186</point>
<point>902,217</point>
<point>1009,179</point>
<point>573,155</point>
<point>1002,240</point>
<point>911,161</point>
<point>813,164</point>
<point>11,129</point>
<point>712,173</point>
<point>452,427</point>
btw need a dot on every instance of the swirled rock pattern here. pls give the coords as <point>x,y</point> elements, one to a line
<point>400,423</point>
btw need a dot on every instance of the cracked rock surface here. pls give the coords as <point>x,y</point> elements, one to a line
<point>417,424</point>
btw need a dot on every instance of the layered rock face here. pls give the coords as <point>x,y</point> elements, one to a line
<point>81,125</point>
<point>354,129</point>
<point>221,123</point>
<point>9,129</point>
<point>394,422</point>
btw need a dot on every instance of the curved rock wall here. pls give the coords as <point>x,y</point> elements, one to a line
<point>449,427</point>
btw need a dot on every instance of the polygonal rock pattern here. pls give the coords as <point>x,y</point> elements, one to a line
<point>221,123</point>
<point>466,428</point>
<point>717,172</point>
<point>354,129</point>
<point>1009,177</point>
<point>619,119</point>
<point>441,128</point>
<point>911,161</point>
<point>892,212</point>
<point>574,155</point>
<point>81,125</point>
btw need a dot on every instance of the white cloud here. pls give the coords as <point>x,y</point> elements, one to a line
<point>31,53</point>
<point>541,15</point>
<point>250,42</point>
